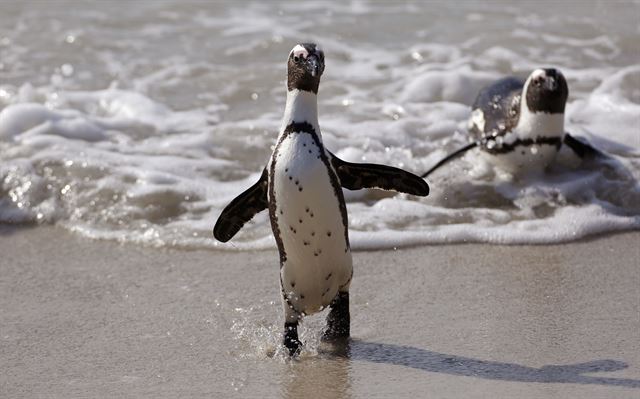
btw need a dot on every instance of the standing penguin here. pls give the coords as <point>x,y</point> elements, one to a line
<point>301,187</point>
<point>519,125</point>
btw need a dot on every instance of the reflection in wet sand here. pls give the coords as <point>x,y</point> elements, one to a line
<point>326,375</point>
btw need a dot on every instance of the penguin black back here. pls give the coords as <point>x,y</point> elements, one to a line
<point>496,109</point>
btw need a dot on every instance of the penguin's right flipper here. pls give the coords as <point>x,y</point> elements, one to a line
<point>242,209</point>
<point>580,147</point>
<point>449,157</point>
<point>356,176</point>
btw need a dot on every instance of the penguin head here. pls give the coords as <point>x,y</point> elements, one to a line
<point>546,91</point>
<point>304,67</point>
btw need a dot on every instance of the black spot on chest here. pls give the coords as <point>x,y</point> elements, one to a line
<point>298,128</point>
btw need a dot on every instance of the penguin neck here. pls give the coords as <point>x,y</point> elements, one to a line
<point>538,124</point>
<point>301,106</point>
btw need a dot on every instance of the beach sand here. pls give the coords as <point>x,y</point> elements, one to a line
<point>84,318</point>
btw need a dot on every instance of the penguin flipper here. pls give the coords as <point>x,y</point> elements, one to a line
<point>356,176</point>
<point>242,209</point>
<point>449,157</point>
<point>580,147</point>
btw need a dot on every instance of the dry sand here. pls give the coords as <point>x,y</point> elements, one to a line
<point>82,318</point>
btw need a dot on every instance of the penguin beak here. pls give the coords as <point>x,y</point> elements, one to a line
<point>313,65</point>
<point>550,83</point>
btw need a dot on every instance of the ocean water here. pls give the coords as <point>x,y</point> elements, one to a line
<point>140,123</point>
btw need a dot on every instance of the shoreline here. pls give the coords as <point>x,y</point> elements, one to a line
<point>8,229</point>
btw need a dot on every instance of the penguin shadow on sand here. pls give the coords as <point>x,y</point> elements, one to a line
<point>8,229</point>
<point>435,362</point>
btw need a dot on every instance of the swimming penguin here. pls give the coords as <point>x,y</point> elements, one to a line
<point>302,188</point>
<point>519,125</point>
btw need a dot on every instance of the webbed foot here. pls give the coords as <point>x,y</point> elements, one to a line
<point>291,341</point>
<point>338,320</point>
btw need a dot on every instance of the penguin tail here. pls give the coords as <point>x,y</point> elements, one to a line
<point>450,157</point>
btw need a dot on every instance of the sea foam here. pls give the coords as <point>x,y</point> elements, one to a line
<point>148,142</point>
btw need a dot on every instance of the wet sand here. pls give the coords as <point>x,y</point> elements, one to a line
<point>83,318</point>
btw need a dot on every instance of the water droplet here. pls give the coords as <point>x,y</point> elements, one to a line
<point>66,69</point>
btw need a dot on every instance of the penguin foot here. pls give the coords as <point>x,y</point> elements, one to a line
<point>338,320</point>
<point>291,341</point>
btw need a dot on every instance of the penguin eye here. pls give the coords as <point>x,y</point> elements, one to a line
<point>296,58</point>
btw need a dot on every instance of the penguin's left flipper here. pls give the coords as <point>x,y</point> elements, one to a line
<point>581,147</point>
<point>242,209</point>
<point>356,176</point>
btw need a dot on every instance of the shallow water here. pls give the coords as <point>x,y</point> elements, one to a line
<point>141,123</point>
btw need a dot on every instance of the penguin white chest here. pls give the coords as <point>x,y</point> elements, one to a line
<point>308,210</point>
<point>532,145</point>
<point>523,158</point>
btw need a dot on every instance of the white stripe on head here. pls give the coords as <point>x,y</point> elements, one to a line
<point>524,108</point>
<point>549,81</point>
<point>534,75</point>
<point>537,73</point>
<point>299,51</point>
